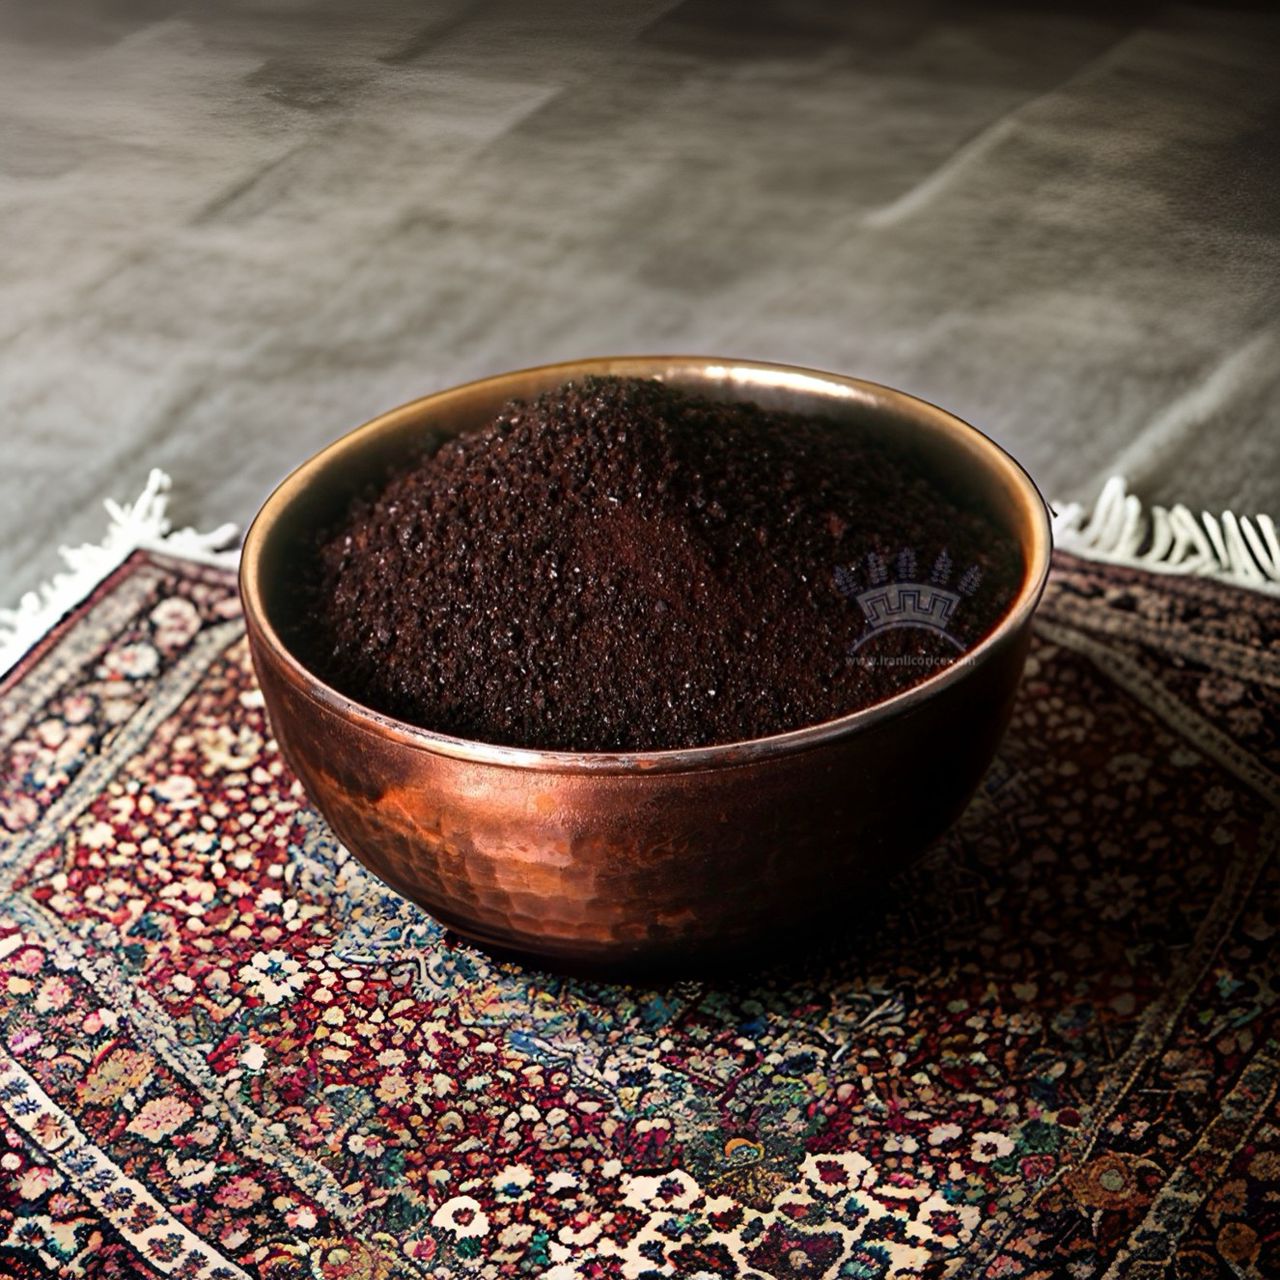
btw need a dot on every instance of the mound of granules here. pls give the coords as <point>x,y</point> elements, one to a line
<point>619,566</point>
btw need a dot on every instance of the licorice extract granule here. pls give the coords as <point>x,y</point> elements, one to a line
<point>622,566</point>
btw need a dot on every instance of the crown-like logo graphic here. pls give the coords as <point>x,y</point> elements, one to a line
<point>900,599</point>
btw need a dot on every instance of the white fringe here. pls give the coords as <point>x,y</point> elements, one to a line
<point>136,525</point>
<point>1240,550</point>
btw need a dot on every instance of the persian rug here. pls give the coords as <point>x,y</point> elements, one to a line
<point>1051,1048</point>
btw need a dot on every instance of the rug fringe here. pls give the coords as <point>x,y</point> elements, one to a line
<point>1240,550</point>
<point>141,524</point>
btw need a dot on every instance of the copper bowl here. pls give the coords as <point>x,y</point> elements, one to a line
<point>623,859</point>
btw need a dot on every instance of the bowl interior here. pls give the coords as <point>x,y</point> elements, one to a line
<point>964,464</point>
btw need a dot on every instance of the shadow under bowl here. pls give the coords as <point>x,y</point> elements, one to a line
<point>615,860</point>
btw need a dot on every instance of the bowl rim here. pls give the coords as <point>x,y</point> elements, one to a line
<point>1037,549</point>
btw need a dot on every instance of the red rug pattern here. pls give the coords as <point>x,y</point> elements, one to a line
<point>1049,1049</point>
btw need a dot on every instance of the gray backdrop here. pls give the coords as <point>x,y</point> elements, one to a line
<point>229,231</point>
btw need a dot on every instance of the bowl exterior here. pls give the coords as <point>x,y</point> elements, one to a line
<point>644,866</point>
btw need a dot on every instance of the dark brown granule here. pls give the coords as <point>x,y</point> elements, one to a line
<point>619,566</point>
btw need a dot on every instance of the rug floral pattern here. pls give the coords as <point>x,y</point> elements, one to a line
<point>1050,1049</point>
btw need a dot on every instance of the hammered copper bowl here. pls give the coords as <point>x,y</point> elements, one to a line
<point>656,857</point>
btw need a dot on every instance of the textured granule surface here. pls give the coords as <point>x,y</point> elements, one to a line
<point>618,566</point>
